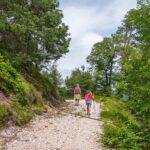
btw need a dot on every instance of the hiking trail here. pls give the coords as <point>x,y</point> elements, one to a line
<point>58,130</point>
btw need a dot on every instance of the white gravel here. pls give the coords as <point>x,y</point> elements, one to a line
<point>61,132</point>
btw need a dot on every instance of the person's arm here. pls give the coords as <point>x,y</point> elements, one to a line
<point>93,97</point>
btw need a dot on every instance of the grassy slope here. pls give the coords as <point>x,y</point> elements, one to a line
<point>23,97</point>
<point>121,129</point>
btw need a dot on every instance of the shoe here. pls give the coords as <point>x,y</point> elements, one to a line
<point>88,114</point>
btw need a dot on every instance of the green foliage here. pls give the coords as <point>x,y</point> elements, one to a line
<point>21,114</point>
<point>32,37</point>
<point>25,25</point>
<point>33,95</point>
<point>130,81</point>
<point>134,83</point>
<point>116,110</point>
<point>11,81</point>
<point>5,115</point>
<point>26,95</point>
<point>81,77</point>
<point>121,137</point>
<point>102,60</point>
<point>77,114</point>
<point>121,128</point>
<point>47,82</point>
<point>39,109</point>
<point>65,93</point>
<point>101,98</point>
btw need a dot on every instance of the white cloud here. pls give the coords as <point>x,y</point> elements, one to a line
<point>88,25</point>
<point>90,38</point>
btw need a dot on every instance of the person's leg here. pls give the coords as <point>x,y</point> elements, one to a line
<point>78,102</point>
<point>87,106</point>
<point>75,102</point>
<point>88,109</point>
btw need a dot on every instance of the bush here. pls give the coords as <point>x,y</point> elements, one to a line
<point>39,109</point>
<point>26,96</point>
<point>121,129</point>
<point>4,115</point>
<point>11,81</point>
<point>116,111</point>
<point>33,95</point>
<point>120,137</point>
<point>100,98</point>
<point>22,114</point>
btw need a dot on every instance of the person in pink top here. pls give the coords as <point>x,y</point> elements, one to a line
<point>77,94</point>
<point>88,99</point>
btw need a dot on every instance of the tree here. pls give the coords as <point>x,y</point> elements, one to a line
<point>130,48</point>
<point>136,82</point>
<point>136,68</point>
<point>32,32</point>
<point>102,59</point>
<point>32,37</point>
<point>81,77</point>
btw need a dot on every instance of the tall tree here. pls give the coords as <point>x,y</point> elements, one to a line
<point>136,82</point>
<point>102,59</point>
<point>32,32</point>
<point>136,68</point>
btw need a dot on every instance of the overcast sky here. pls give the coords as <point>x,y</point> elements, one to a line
<point>89,21</point>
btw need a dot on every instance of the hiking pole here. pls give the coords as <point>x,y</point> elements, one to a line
<point>94,106</point>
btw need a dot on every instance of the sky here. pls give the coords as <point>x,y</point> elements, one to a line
<point>89,22</point>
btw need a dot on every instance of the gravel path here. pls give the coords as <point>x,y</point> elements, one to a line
<point>61,132</point>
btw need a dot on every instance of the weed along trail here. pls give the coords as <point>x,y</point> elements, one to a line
<point>60,130</point>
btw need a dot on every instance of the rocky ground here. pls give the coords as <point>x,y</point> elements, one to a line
<point>59,129</point>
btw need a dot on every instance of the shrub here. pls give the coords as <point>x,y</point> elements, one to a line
<point>121,129</point>
<point>116,111</point>
<point>26,96</point>
<point>11,81</point>
<point>39,109</point>
<point>33,95</point>
<point>120,137</point>
<point>4,115</point>
<point>22,114</point>
<point>100,98</point>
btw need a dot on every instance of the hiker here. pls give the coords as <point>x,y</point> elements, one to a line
<point>77,94</point>
<point>88,99</point>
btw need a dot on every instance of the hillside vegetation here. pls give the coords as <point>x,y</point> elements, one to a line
<point>18,98</point>
<point>32,38</point>
<point>121,68</point>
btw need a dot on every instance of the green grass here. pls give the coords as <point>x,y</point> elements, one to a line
<point>39,109</point>
<point>120,128</point>
<point>101,98</point>
<point>5,115</point>
<point>77,114</point>
<point>27,99</point>
<point>21,114</point>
